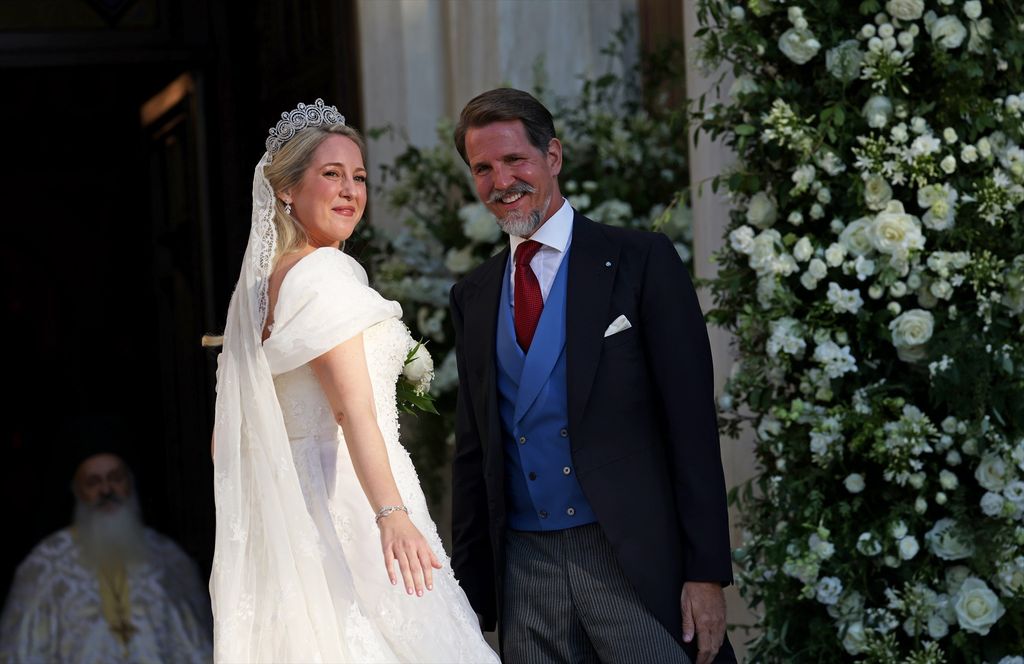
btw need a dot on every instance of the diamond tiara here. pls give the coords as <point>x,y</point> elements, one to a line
<point>315,115</point>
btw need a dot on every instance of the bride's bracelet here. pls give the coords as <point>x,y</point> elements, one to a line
<point>389,509</point>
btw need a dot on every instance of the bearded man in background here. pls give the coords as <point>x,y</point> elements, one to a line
<point>107,588</point>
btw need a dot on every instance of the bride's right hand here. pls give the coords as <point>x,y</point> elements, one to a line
<point>403,543</point>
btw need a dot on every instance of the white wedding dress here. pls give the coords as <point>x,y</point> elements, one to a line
<point>323,301</point>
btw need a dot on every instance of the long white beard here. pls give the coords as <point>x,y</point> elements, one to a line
<point>109,540</point>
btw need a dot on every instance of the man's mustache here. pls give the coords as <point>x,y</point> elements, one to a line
<point>109,499</point>
<point>516,188</point>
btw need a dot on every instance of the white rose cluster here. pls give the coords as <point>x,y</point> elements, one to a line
<point>911,332</point>
<point>798,43</point>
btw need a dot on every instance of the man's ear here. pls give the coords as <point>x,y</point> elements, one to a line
<point>554,156</point>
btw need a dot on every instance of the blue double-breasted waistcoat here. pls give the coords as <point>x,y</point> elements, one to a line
<point>540,478</point>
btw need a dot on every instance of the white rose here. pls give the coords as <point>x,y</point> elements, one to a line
<point>763,255</point>
<point>855,237</point>
<point>803,250</point>
<point>992,504</point>
<point>941,289</point>
<point>894,231</point>
<point>930,195</point>
<point>854,482</point>
<point>817,268</point>
<point>742,239</point>
<point>977,607</point>
<point>909,547</point>
<point>992,472</point>
<point>855,641</point>
<point>799,45</point>
<point>905,10</point>
<point>802,178</point>
<point>844,60</point>
<point>761,210</point>
<point>877,111</point>
<point>877,192</point>
<point>459,261</point>
<point>911,330</point>
<point>865,267</point>
<point>868,544</point>
<point>737,13</point>
<point>969,154</point>
<point>948,480</point>
<point>948,32</point>
<point>937,627</point>
<point>420,371</point>
<point>972,9</point>
<point>828,590</point>
<point>949,135</point>
<point>478,224</point>
<point>944,540</point>
<point>948,164</point>
<point>835,254</point>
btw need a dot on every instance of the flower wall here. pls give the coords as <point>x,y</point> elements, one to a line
<point>874,281</point>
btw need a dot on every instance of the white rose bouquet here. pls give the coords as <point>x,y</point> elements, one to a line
<point>413,388</point>
<point>873,278</point>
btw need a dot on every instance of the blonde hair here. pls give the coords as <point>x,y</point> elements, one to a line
<point>286,171</point>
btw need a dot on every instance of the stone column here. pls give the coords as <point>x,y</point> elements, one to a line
<point>710,217</point>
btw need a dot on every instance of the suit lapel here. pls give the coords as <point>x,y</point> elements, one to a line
<point>593,263</point>
<point>480,310</point>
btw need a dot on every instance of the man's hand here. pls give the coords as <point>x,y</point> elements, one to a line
<point>703,607</point>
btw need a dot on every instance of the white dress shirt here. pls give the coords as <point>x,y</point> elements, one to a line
<point>554,235</point>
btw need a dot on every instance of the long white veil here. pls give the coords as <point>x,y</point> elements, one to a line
<point>273,586</point>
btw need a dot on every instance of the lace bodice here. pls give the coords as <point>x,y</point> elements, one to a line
<point>304,405</point>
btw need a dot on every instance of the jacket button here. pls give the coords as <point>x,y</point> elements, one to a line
<point>564,433</point>
<point>543,514</point>
<point>533,475</point>
<point>522,440</point>
<point>571,511</point>
<point>567,470</point>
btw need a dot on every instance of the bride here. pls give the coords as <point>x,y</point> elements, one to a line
<point>325,551</point>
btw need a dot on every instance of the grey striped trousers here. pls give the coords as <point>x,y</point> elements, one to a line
<point>567,600</point>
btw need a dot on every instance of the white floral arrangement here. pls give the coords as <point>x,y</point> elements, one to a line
<point>873,278</point>
<point>413,387</point>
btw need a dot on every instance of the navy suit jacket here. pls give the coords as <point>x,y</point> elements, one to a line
<point>642,422</point>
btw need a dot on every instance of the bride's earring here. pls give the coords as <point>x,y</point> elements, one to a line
<point>288,208</point>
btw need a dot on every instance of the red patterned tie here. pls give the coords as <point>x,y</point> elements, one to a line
<point>529,301</point>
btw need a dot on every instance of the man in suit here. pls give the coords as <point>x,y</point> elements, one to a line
<point>589,507</point>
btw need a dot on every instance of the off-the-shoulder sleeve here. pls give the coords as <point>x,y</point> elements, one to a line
<point>324,301</point>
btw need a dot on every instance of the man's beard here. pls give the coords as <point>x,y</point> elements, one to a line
<point>517,222</point>
<point>108,540</point>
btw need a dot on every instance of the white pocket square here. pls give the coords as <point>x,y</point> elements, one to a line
<point>618,325</point>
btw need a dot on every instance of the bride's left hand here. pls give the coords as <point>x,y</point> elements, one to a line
<point>403,543</point>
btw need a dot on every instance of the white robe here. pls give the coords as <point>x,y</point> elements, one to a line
<point>53,612</point>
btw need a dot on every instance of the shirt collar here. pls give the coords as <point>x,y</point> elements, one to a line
<point>555,232</point>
